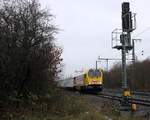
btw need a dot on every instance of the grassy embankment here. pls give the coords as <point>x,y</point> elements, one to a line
<point>60,106</point>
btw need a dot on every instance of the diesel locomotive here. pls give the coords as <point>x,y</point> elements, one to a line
<point>91,79</point>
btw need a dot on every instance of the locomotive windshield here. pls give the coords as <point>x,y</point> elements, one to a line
<point>97,73</point>
<point>91,73</point>
<point>94,73</point>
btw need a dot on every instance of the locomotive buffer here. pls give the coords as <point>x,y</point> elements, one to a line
<point>122,40</point>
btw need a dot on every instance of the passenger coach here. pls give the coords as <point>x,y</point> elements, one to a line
<point>91,80</point>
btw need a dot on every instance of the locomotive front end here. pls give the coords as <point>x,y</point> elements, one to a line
<point>94,79</point>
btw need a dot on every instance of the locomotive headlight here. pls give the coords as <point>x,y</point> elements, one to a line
<point>100,82</point>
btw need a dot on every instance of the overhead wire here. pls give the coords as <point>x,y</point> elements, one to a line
<point>145,30</point>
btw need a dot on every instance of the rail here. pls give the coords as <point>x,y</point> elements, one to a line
<point>130,100</point>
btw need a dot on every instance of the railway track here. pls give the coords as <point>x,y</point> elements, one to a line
<point>118,97</point>
<point>118,91</point>
<point>130,100</point>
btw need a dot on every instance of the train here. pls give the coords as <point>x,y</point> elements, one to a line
<point>90,80</point>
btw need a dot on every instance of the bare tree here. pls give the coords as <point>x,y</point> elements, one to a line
<point>137,81</point>
<point>29,57</point>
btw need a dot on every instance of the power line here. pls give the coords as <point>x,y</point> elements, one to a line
<point>107,61</point>
<point>145,30</point>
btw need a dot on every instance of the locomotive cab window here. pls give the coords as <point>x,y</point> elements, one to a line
<point>91,73</point>
<point>97,73</point>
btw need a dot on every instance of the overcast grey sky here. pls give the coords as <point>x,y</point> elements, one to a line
<point>86,29</point>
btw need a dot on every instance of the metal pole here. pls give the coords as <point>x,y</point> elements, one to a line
<point>124,72</point>
<point>133,64</point>
<point>133,52</point>
<point>96,65</point>
<point>107,64</point>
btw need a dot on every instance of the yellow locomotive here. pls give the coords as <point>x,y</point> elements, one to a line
<point>91,80</point>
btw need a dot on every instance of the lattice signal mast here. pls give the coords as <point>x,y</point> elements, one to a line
<point>121,38</point>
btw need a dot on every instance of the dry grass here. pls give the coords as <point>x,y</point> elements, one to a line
<point>60,107</point>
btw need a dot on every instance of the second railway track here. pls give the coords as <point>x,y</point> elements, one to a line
<point>137,101</point>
